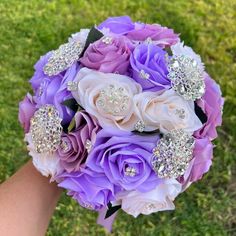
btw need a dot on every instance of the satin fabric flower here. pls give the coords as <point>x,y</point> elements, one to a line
<point>166,111</point>
<point>200,164</point>
<point>91,84</point>
<point>26,111</point>
<point>53,89</point>
<point>48,164</point>
<point>91,189</point>
<point>212,105</point>
<point>118,25</point>
<point>159,199</point>
<point>149,67</point>
<point>73,152</point>
<point>125,158</point>
<point>108,57</point>
<point>161,36</point>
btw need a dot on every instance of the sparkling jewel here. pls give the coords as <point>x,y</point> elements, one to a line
<point>88,145</point>
<point>180,113</point>
<point>113,100</point>
<point>144,75</point>
<point>139,126</point>
<point>72,86</point>
<point>186,77</point>
<point>172,154</point>
<point>107,40</point>
<point>64,146</point>
<point>88,206</point>
<point>148,40</point>
<point>46,129</point>
<point>63,57</point>
<point>130,171</point>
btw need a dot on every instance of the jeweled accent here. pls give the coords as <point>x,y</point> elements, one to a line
<point>148,40</point>
<point>113,100</point>
<point>186,77</point>
<point>173,154</point>
<point>107,40</point>
<point>64,145</point>
<point>88,145</point>
<point>72,86</point>
<point>46,129</point>
<point>88,206</point>
<point>144,75</point>
<point>139,126</point>
<point>180,113</point>
<point>130,171</point>
<point>63,57</point>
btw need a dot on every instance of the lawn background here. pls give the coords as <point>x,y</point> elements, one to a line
<point>29,29</point>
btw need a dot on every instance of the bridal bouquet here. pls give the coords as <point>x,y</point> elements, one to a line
<point>122,116</point>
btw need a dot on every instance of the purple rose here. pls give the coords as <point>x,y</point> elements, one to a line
<point>118,25</point>
<point>108,57</point>
<point>26,111</point>
<point>125,158</point>
<point>201,162</point>
<point>162,36</point>
<point>211,104</point>
<point>149,67</point>
<point>73,152</point>
<point>91,189</point>
<point>53,89</point>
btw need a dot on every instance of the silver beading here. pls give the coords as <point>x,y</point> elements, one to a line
<point>172,154</point>
<point>46,129</point>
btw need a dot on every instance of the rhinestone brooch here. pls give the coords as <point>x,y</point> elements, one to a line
<point>172,154</point>
<point>63,57</point>
<point>113,100</point>
<point>46,129</point>
<point>139,126</point>
<point>186,77</point>
<point>130,171</point>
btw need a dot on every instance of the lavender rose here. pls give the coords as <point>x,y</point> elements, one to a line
<point>53,89</point>
<point>149,67</point>
<point>200,164</point>
<point>26,111</point>
<point>73,152</point>
<point>211,104</point>
<point>125,158</point>
<point>91,189</point>
<point>161,36</point>
<point>118,25</point>
<point>110,56</point>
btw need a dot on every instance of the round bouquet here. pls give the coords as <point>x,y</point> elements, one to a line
<point>122,116</point>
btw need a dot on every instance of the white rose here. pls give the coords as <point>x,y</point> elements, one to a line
<point>159,199</point>
<point>80,36</point>
<point>166,111</point>
<point>46,164</point>
<point>107,96</point>
<point>179,49</point>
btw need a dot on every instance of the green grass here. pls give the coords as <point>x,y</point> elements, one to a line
<point>31,28</point>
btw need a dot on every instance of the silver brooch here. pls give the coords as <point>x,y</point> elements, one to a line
<point>113,100</point>
<point>186,77</point>
<point>172,154</point>
<point>46,129</point>
<point>63,57</point>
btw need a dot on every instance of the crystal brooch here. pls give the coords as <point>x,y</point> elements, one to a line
<point>186,77</point>
<point>63,57</point>
<point>172,154</point>
<point>46,129</point>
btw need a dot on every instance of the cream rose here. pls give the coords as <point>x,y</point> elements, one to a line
<point>159,199</point>
<point>166,111</point>
<point>107,96</point>
<point>46,164</point>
